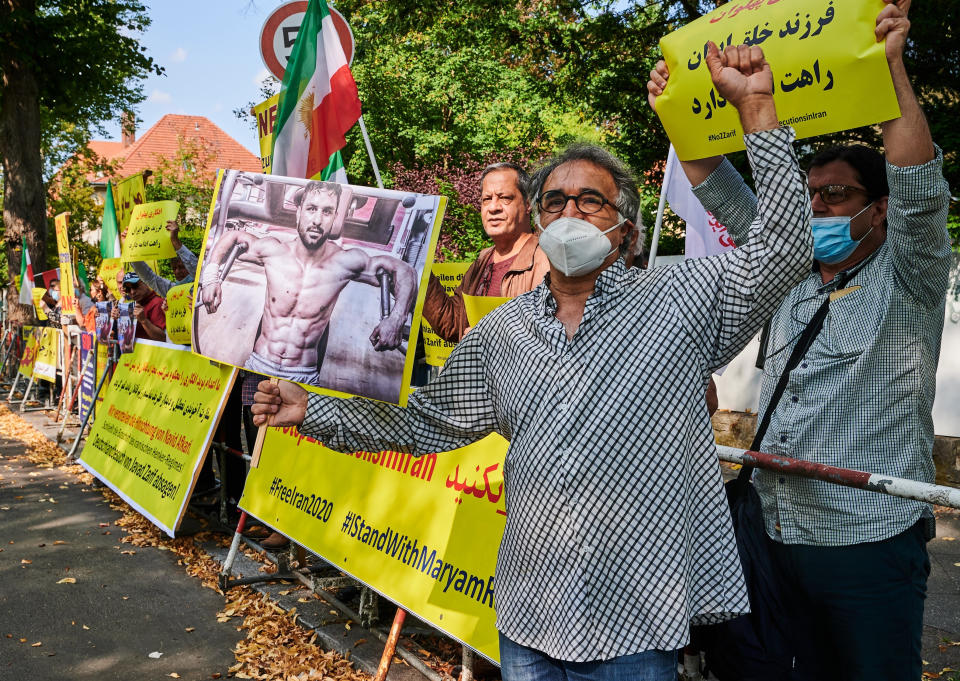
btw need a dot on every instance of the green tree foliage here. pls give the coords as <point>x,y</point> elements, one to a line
<point>447,86</point>
<point>66,65</point>
<point>71,192</point>
<point>459,78</point>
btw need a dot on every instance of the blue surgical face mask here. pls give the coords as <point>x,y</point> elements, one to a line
<point>186,280</point>
<point>55,295</point>
<point>831,237</point>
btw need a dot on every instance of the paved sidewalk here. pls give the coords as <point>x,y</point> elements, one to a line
<point>123,606</point>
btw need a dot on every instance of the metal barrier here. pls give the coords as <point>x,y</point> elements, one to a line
<point>875,482</point>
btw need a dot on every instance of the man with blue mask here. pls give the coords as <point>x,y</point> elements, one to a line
<point>184,265</point>
<point>617,532</point>
<point>855,562</point>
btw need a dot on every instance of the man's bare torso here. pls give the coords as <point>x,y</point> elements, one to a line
<point>300,297</point>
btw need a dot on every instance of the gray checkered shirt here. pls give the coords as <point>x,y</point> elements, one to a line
<point>618,534</point>
<point>861,397</point>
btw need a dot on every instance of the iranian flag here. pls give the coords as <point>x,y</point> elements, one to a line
<point>318,102</point>
<point>109,231</point>
<point>26,276</point>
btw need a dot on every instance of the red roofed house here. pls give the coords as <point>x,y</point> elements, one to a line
<point>166,137</point>
<point>162,143</point>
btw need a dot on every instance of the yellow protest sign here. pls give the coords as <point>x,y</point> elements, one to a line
<point>147,236</point>
<point>266,115</point>
<point>68,297</point>
<point>37,294</point>
<point>422,531</point>
<point>108,271</point>
<point>477,307</point>
<point>154,426</point>
<point>130,193</point>
<point>29,355</point>
<point>180,313</point>
<point>436,350</point>
<point>47,349</point>
<point>826,64</point>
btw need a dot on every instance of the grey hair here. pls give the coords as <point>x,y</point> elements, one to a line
<point>628,198</point>
<point>523,177</point>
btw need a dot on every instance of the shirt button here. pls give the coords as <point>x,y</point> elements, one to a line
<point>783,438</point>
<point>782,480</point>
<point>795,398</point>
<point>804,365</point>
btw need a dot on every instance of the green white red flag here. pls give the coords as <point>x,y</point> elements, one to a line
<point>26,276</point>
<point>318,103</point>
<point>109,231</point>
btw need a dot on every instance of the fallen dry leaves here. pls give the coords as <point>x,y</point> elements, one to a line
<point>276,647</point>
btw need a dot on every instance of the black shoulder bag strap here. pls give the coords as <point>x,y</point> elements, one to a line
<point>799,350</point>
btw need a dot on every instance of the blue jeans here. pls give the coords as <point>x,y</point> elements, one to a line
<point>519,663</point>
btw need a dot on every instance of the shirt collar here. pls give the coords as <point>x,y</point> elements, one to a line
<point>845,276</point>
<point>609,281</point>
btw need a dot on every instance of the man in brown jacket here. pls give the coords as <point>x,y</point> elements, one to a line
<point>513,265</point>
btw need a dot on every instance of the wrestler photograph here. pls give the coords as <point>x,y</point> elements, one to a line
<point>313,282</point>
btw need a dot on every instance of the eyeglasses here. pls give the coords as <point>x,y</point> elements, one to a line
<point>832,194</point>
<point>587,202</point>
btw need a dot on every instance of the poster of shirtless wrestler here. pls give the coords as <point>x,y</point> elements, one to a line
<point>315,282</point>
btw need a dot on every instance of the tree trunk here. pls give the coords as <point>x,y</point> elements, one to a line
<point>24,198</point>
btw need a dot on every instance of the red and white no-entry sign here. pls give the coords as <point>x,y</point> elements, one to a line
<point>279,33</point>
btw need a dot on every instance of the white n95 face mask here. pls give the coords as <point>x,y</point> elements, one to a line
<point>574,246</point>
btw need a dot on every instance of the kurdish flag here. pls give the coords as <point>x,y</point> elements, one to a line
<point>318,102</point>
<point>109,232</point>
<point>26,276</point>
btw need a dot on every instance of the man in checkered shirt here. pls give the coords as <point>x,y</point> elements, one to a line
<point>618,534</point>
<point>856,561</point>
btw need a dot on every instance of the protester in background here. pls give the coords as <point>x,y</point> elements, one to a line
<point>84,301</point>
<point>148,308</point>
<point>89,319</point>
<point>617,533</point>
<point>51,303</point>
<point>513,265</point>
<point>854,562</point>
<point>184,265</point>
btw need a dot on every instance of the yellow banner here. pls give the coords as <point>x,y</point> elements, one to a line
<point>48,348</point>
<point>154,426</point>
<point>147,236</point>
<point>180,313</point>
<point>68,298</point>
<point>129,193</point>
<point>436,350</point>
<point>108,273</point>
<point>29,355</point>
<point>37,294</point>
<point>422,531</point>
<point>478,307</point>
<point>266,115</point>
<point>825,59</point>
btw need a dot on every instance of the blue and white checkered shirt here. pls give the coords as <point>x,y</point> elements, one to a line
<point>618,533</point>
<point>862,396</point>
